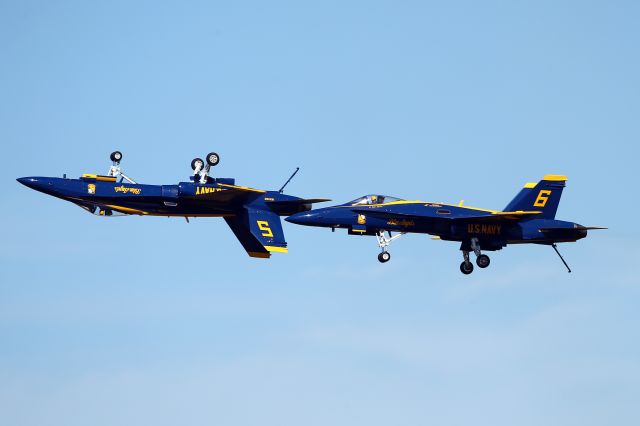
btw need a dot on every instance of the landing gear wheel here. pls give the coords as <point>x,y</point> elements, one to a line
<point>466,268</point>
<point>116,156</point>
<point>197,162</point>
<point>385,256</point>
<point>213,159</point>
<point>483,261</point>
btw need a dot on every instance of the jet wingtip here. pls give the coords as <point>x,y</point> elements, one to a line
<point>259,254</point>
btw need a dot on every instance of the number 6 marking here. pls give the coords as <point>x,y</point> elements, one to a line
<point>543,197</point>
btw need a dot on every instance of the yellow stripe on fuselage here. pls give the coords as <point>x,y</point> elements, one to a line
<point>429,204</point>
<point>243,188</point>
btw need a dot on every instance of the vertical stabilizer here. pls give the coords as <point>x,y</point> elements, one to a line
<point>543,196</point>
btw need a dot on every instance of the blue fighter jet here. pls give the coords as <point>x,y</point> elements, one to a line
<point>252,214</point>
<point>528,218</point>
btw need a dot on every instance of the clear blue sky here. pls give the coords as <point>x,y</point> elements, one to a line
<point>156,321</point>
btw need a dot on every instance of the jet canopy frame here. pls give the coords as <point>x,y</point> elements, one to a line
<point>373,199</point>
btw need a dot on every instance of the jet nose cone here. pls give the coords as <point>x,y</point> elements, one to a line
<point>304,218</point>
<point>31,182</point>
<point>41,184</point>
<point>298,218</point>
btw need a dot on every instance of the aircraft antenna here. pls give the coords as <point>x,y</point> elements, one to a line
<point>289,180</point>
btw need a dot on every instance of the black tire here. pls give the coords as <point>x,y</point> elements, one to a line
<point>483,261</point>
<point>213,159</point>
<point>116,156</point>
<point>466,268</point>
<point>197,160</point>
<point>384,257</point>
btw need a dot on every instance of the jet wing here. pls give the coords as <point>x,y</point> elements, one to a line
<point>259,231</point>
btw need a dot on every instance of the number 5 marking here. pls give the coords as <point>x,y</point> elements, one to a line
<point>543,197</point>
<point>264,227</point>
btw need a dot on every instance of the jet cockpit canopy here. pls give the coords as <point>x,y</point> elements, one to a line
<point>373,199</point>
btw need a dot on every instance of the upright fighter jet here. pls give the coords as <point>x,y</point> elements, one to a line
<point>528,219</point>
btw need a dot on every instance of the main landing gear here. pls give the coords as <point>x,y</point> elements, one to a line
<point>384,242</point>
<point>201,170</point>
<point>482,260</point>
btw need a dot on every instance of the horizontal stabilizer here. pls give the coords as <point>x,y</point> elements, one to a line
<point>576,228</point>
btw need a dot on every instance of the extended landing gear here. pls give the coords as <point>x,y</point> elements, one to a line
<point>213,159</point>
<point>466,267</point>
<point>115,170</point>
<point>383,243</point>
<point>201,170</point>
<point>385,256</point>
<point>116,156</point>
<point>482,260</point>
<point>197,164</point>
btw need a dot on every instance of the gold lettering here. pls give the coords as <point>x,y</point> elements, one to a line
<point>476,228</point>
<point>201,190</point>
<point>127,189</point>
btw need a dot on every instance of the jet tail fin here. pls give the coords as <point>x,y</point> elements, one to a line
<point>259,231</point>
<point>543,196</point>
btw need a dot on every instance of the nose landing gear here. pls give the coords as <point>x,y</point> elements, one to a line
<point>384,242</point>
<point>115,170</point>
<point>385,256</point>
<point>116,156</point>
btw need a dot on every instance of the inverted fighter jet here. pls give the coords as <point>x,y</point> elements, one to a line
<point>528,218</point>
<point>252,214</point>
